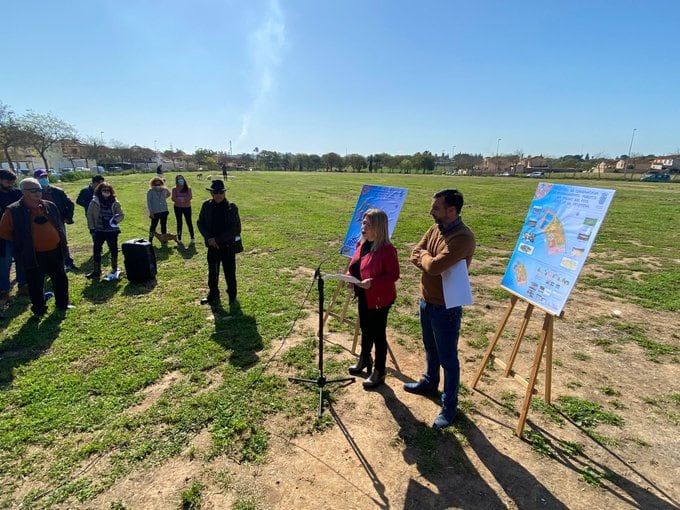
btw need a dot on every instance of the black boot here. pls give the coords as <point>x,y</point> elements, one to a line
<point>365,361</point>
<point>374,380</point>
<point>96,271</point>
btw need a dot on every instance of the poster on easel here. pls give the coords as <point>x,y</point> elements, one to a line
<point>555,240</point>
<point>386,198</point>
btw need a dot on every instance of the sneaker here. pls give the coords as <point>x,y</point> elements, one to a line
<point>67,307</point>
<point>209,299</point>
<point>421,388</point>
<point>48,295</point>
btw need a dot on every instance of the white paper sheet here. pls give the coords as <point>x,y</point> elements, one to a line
<point>456,284</point>
<point>343,277</point>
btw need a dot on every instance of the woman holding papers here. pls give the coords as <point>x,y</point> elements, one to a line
<point>376,266</point>
<point>103,215</point>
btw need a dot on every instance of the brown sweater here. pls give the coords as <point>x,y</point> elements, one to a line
<point>435,253</point>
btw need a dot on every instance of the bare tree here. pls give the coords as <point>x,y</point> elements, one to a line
<point>45,130</point>
<point>11,135</point>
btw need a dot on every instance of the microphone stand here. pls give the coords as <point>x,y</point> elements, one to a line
<point>321,380</point>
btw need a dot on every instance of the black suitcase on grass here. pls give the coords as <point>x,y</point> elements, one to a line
<point>140,260</point>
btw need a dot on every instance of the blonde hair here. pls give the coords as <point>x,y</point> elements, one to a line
<point>154,180</point>
<point>379,223</point>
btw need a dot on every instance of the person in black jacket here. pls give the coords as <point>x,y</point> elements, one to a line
<point>8,195</point>
<point>87,193</point>
<point>220,225</point>
<point>65,205</point>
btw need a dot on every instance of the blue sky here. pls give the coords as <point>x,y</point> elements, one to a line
<point>353,76</point>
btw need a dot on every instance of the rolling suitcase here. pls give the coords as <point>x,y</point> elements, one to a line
<point>140,260</point>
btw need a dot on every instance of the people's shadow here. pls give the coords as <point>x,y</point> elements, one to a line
<point>236,333</point>
<point>27,344</point>
<point>162,253</point>
<point>441,460</point>
<point>186,252</point>
<point>100,291</point>
<point>639,497</point>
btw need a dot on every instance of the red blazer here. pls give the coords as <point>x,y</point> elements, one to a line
<point>382,266</point>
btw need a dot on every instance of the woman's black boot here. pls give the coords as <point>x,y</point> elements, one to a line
<point>374,380</point>
<point>363,362</point>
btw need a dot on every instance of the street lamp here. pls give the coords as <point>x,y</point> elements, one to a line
<point>497,165</point>
<point>453,157</point>
<point>154,147</point>
<point>630,147</point>
<point>101,136</point>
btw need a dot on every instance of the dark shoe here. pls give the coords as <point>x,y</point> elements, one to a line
<point>93,274</point>
<point>209,299</point>
<point>48,295</point>
<point>374,380</point>
<point>445,419</point>
<point>421,388</point>
<point>23,290</point>
<point>363,362</point>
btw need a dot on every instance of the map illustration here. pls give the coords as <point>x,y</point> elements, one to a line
<point>554,242</point>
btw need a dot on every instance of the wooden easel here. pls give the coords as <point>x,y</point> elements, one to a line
<point>342,316</point>
<point>545,343</point>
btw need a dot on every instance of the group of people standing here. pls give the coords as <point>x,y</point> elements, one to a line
<point>376,267</point>
<point>33,232</point>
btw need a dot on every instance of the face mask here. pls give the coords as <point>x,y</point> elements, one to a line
<point>44,181</point>
<point>157,187</point>
<point>180,182</point>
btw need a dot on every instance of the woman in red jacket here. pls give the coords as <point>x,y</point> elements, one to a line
<point>376,265</point>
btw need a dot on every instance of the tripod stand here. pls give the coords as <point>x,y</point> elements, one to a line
<point>321,380</point>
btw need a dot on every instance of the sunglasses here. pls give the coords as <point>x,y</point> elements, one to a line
<point>33,190</point>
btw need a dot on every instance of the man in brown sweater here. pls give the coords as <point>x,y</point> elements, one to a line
<point>446,242</point>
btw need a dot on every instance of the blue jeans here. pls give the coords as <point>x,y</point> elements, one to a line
<point>440,329</point>
<point>5,265</point>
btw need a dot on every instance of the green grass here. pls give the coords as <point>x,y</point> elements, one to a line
<point>135,372</point>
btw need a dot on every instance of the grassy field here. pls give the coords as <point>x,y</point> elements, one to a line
<point>73,389</point>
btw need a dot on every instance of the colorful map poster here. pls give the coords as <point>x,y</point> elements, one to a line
<point>388,199</point>
<point>555,240</point>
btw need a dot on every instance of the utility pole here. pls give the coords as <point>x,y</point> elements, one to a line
<point>497,164</point>
<point>630,148</point>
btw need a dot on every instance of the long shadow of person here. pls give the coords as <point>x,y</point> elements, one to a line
<point>27,344</point>
<point>517,482</point>
<point>441,461</point>
<point>640,497</point>
<point>237,333</point>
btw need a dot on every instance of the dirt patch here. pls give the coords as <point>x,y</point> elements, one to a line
<point>381,451</point>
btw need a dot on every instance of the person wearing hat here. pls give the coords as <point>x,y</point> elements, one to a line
<point>220,225</point>
<point>8,195</point>
<point>86,194</point>
<point>38,237</point>
<point>64,204</point>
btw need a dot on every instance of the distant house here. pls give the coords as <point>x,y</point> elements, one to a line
<point>529,164</point>
<point>670,164</point>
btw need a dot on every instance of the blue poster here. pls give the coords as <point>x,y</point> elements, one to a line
<point>555,240</point>
<point>388,199</point>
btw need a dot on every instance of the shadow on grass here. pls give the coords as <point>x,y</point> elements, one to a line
<point>136,289</point>
<point>441,460</point>
<point>27,344</point>
<point>100,291</point>
<point>638,496</point>
<point>186,252</point>
<point>237,333</point>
